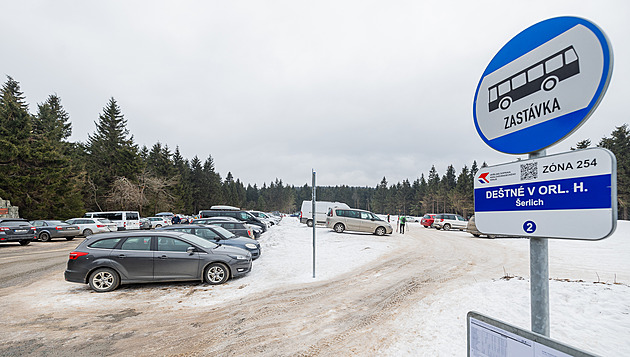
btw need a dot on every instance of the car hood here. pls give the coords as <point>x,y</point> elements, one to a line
<point>243,240</point>
<point>226,249</point>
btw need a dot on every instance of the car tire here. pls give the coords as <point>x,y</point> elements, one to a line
<point>380,231</point>
<point>216,273</point>
<point>158,226</point>
<point>475,235</point>
<point>339,228</point>
<point>87,232</point>
<point>447,227</point>
<point>44,237</point>
<point>490,236</point>
<point>25,242</point>
<point>103,280</point>
<point>69,238</point>
<point>309,223</point>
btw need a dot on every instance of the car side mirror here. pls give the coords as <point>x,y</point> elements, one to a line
<point>190,250</point>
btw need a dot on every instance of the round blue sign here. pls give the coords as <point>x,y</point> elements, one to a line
<point>542,85</point>
<point>529,227</point>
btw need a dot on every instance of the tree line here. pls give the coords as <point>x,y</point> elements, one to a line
<point>48,176</point>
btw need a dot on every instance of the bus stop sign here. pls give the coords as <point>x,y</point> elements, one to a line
<point>542,85</point>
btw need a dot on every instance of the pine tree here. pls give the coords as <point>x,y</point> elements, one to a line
<point>52,121</point>
<point>582,144</point>
<point>111,151</point>
<point>619,144</point>
<point>54,182</point>
<point>213,179</point>
<point>15,132</point>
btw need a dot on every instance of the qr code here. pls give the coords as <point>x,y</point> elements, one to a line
<point>529,171</point>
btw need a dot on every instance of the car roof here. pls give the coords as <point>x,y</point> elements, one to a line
<point>180,226</point>
<point>13,220</point>
<point>134,233</point>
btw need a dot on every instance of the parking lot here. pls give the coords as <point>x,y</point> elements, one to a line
<point>364,286</point>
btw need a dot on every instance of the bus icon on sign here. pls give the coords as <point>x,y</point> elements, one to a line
<point>543,75</point>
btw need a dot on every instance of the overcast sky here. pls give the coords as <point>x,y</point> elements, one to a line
<point>356,90</point>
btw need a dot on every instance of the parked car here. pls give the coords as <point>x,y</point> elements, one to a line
<point>471,228</point>
<point>125,220</point>
<point>157,222</point>
<point>218,235</point>
<point>145,223</point>
<point>233,225</point>
<point>105,261</point>
<point>166,215</point>
<point>16,230</point>
<point>263,217</point>
<point>448,221</point>
<point>89,226</point>
<point>427,220</point>
<point>358,220</point>
<point>243,216</point>
<point>49,229</point>
<point>275,217</point>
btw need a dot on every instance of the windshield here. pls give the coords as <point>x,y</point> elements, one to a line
<point>224,232</point>
<point>376,218</point>
<point>199,241</point>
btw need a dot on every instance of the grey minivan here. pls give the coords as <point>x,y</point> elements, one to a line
<point>341,219</point>
<point>106,260</point>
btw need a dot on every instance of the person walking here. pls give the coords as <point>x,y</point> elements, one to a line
<point>403,220</point>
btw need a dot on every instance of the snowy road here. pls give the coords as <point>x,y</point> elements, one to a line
<point>395,295</point>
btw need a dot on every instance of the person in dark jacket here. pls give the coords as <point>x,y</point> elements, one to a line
<point>403,220</point>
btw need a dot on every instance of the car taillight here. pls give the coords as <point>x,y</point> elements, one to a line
<point>250,234</point>
<point>100,226</point>
<point>75,255</point>
<point>4,228</point>
<point>59,228</point>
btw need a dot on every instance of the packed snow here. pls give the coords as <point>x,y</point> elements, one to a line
<point>589,290</point>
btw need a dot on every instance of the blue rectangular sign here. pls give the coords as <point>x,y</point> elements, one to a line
<point>572,193</point>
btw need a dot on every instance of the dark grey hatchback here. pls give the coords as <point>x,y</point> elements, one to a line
<point>106,260</point>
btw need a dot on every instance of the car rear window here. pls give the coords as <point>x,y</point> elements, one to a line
<point>14,223</point>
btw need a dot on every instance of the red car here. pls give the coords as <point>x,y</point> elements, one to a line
<point>427,220</point>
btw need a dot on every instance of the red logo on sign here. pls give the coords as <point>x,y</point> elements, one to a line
<point>483,179</point>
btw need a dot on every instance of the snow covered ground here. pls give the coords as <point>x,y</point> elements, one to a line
<point>592,314</point>
<point>588,315</point>
<point>585,314</point>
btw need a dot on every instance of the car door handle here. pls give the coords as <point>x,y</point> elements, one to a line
<point>163,256</point>
<point>121,256</point>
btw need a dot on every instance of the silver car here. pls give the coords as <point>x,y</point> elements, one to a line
<point>448,221</point>
<point>341,219</point>
<point>89,226</point>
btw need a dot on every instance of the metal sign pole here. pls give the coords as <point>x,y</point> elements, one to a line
<point>539,277</point>
<point>314,221</point>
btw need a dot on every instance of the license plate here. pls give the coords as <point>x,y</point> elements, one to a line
<point>20,230</point>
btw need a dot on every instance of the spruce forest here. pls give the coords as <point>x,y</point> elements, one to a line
<point>49,177</point>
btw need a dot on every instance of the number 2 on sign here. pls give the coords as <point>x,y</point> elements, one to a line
<point>529,227</point>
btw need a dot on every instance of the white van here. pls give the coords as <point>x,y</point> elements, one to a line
<point>321,209</point>
<point>124,219</point>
